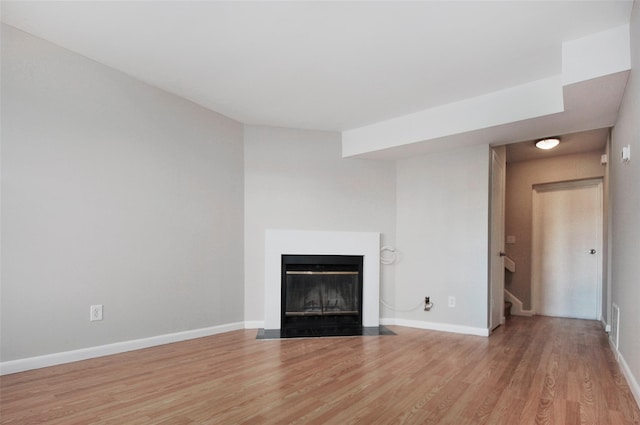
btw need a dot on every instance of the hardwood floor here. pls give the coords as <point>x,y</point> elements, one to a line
<point>536,370</point>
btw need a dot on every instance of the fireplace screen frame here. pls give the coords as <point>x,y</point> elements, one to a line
<point>325,321</point>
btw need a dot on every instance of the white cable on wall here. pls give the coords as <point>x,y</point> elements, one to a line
<point>391,258</point>
<point>387,260</point>
<point>390,307</point>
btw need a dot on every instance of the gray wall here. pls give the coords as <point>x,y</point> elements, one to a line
<point>442,233</point>
<point>298,180</point>
<point>625,211</point>
<point>433,209</point>
<point>113,193</point>
<point>521,176</point>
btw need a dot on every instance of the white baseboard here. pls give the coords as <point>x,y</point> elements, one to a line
<point>605,326</point>
<point>626,371</point>
<point>516,305</point>
<point>21,365</point>
<point>444,327</point>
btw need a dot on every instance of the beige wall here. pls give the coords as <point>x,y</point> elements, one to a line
<point>521,176</point>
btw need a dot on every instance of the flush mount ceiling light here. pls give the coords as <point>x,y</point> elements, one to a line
<point>547,143</point>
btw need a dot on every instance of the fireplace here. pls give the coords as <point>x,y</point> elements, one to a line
<point>321,295</point>
<point>279,243</point>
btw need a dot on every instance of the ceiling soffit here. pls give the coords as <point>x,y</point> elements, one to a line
<point>585,96</point>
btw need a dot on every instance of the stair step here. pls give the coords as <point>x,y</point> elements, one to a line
<point>507,309</point>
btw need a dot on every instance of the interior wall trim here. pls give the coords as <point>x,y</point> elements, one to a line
<point>605,325</point>
<point>37,362</point>
<point>433,326</point>
<point>626,371</point>
<point>517,308</point>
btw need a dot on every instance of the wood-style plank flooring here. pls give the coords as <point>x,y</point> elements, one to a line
<point>536,370</point>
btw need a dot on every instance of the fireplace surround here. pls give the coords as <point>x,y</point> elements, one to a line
<point>279,243</point>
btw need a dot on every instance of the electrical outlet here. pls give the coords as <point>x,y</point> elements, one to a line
<point>427,303</point>
<point>96,312</point>
<point>452,301</point>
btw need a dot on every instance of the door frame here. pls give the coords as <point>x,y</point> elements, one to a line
<point>535,256</point>
<point>496,237</point>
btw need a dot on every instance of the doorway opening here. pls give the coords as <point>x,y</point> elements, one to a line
<point>581,156</point>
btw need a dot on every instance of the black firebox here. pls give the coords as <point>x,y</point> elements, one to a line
<point>321,295</point>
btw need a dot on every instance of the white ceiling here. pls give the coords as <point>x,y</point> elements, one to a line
<point>321,65</point>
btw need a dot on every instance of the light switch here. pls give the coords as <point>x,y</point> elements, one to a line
<point>511,239</point>
<point>626,153</point>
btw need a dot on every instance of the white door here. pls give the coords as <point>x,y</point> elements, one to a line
<point>496,261</point>
<point>567,249</point>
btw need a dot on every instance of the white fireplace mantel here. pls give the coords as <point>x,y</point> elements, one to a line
<point>302,242</point>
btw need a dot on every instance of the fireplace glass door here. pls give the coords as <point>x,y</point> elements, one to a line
<point>321,294</point>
